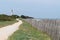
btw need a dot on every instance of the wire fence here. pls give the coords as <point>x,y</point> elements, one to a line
<point>50,26</point>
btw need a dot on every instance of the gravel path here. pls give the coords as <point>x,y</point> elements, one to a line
<point>7,31</point>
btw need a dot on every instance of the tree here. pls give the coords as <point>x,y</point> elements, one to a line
<point>26,17</point>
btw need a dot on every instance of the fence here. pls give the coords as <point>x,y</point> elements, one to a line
<point>50,26</point>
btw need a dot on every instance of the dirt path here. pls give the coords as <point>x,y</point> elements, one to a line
<point>7,31</point>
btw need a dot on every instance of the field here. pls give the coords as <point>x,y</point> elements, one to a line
<point>5,23</point>
<point>27,32</point>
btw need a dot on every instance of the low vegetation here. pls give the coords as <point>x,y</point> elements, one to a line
<point>7,19</point>
<point>5,23</point>
<point>27,32</point>
<point>4,17</point>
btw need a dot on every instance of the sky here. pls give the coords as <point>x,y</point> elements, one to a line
<point>34,8</point>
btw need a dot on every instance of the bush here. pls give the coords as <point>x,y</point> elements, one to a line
<point>4,17</point>
<point>26,17</point>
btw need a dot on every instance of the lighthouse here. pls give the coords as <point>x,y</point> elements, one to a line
<point>12,12</point>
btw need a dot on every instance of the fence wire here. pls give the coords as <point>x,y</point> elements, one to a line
<point>50,26</point>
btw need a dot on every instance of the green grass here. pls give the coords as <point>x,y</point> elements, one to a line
<point>27,32</point>
<point>5,23</point>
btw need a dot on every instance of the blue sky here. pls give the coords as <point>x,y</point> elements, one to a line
<point>34,8</point>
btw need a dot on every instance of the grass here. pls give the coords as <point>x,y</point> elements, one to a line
<point>5,23</point>
<point>27,32</point>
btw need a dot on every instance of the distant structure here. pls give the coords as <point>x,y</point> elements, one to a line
<point>12,12</point>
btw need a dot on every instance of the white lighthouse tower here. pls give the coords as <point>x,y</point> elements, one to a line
<point>12,13</point>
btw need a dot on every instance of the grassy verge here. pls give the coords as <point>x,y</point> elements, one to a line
<point>27,32</point>
<point>5,23</point>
